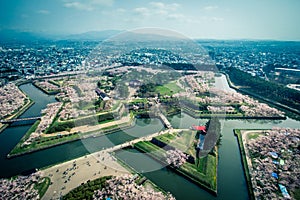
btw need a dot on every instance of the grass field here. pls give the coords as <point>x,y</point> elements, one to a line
<point>253,135</point>
<point>42,186</point>
<point>150,148</point>
<point>183,141</point>
<point>18,148</point>
<point>203,172</point>
<point>86,190</point>
<point>168,89</point>
<point>205,168</point>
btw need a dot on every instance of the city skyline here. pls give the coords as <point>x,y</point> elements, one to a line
<point>232,19</point>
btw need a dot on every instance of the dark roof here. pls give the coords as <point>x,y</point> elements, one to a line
<point>101,94</point>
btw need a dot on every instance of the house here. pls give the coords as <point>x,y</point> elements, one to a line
<point>199,128</point>
<point>102,95</point>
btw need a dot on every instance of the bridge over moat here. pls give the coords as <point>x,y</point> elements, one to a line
<point>160,115</point>
<point>164,120</point>
<point>20,121</point>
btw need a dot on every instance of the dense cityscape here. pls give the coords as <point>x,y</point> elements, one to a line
<point>265,59</point>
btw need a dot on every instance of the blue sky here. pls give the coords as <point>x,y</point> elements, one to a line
<point>216,19</point>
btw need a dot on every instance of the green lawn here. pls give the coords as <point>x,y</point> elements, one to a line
<point>148,147</point>
<point>143,100</point>
<point>57,82</point>
<point>253,135</point>
<point>18,147</point>
<point>86,190</point>
<point>42,186</point>
<point>168,89</point>
<point>203,172</point>
<point>183,141</point>
<point>166,138</point>
<point>88,106</point>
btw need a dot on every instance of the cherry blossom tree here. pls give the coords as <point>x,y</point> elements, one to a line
<point>124,187</point>
<point>21,187</point>
<point>176,157</point>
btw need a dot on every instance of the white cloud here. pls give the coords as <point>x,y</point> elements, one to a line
<point>121,10</point>
<point>158,5</point>
<point>79,6</point>
<point>162,12</point>
<point>177,17</point>
<point>217,19</point>
<point>102,2</point>
<point>163,6</point>
<point>171,13</point>
<point>167,11</point>
<point>88,5</point>
<point>211,19</point>
<point>44,12</point>
<point>210,8</point>
<point>142,11</point>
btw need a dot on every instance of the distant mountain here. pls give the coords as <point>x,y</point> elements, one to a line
<point>113,35</point>
<point>149,34</point>
<point>13,35</point>
<point>135,35</point>
<point>93,35</point>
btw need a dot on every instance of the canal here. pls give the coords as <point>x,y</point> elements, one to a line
<point>231,180</point>
<point>11,136</point>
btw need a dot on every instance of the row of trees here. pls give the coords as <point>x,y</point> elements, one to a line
<point>266,89</point>
<point>147,90</point>
<point>189,66</point>
<point>86,191</point>
<point>123,187</point>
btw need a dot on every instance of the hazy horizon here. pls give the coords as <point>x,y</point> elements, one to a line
<point>221,20</point>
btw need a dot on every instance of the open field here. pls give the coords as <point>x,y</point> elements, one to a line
<point>168,89</point>
<point>204,174</point>
<point>183,141</point>
<point>68,175</point>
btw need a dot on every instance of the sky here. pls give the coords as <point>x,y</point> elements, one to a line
<point>203,19</point>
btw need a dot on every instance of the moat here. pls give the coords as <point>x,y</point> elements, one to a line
<point>231,178</point>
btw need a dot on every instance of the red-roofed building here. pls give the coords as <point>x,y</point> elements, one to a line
<point>199,128</point>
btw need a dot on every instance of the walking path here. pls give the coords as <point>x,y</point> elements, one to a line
<point>161,116</point>
<point>165,121</point>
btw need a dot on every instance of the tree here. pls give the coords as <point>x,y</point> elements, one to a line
<point>176,157</point>
<point>122,90</point>
<point>266,89</point>
<point>99,84</point>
